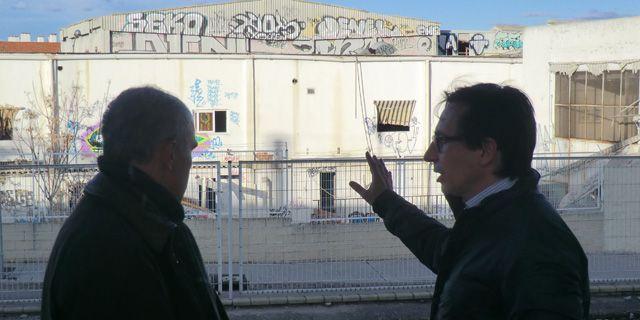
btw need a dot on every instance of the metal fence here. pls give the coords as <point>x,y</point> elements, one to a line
<point>296,226</point>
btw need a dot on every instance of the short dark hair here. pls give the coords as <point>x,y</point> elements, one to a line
<point>502,113</point>
<point>138,120</point>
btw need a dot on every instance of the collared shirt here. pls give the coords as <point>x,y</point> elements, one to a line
<point>501,185</point>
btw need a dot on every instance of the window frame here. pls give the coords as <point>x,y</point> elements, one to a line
<point>213,112</point>
<point>578,118</point>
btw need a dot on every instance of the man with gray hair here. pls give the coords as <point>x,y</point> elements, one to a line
<point>125,252</point>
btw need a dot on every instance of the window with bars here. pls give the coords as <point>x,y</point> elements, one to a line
<point>597,107</point>
<point>211,121</point>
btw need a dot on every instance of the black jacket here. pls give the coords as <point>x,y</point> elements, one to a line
<point>511,257</point>
<point>125,253</point>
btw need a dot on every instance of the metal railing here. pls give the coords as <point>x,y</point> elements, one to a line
<point>296,226</point>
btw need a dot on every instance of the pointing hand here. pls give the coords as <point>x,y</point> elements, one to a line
<point>380,182</point>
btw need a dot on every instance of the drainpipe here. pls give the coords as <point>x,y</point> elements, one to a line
<point>56,109</point>
<point>253,100</point>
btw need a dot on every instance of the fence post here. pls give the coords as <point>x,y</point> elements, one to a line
<point>218,214</point>
<point>1,246</point>
<point>240,258</point>
<point>230,228</point>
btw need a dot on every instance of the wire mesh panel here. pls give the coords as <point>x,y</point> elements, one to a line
<point>305,229</point>
<point>598,199</point>
<point>296,226</point>
<point>34,201</point>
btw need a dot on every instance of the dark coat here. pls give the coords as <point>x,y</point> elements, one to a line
<point>125,253</point>
<point>511,257</point>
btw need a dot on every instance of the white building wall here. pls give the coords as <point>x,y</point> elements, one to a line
<point>614,40</point>
<point>321,114</point>
<point>320,107</point>
<point>222,86</point>
<point>21,77</point>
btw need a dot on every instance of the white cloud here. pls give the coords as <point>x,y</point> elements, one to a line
<point>598,14</point>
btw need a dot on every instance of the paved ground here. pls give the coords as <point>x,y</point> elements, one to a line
<point>619,307</point>
<point>23,281</point>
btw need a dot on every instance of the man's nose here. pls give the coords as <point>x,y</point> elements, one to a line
<point>432,153</point>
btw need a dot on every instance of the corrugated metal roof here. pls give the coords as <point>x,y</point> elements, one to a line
<point>219,19</point>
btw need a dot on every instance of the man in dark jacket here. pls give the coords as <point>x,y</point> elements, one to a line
<point>125,252</point>
<point>509,255</point>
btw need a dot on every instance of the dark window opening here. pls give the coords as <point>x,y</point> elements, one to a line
<point>327,191</point>
<point>211,121</point>
<point>6,122</point>
<point>221,121</point>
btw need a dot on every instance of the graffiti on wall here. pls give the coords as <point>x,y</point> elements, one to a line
<point>16,198</point>
<point>196,93</point>
<point>265,27</point>
<point>127,42</point>
<point>235,118</point>
<point>478,44</point>
<point>168,23</point>
<point>508,41</point>
<point>402,143</point>
<point>314,171</point>
<point>213,92</point>
<point>427,30</point>
<point>124,42</point>
<point>248,32</point>
<point>91,140</point>
<point>343,27</point>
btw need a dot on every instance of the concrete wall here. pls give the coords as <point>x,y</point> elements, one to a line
<point>614,40</point>
<point>274,240</point>
<point>21,78</point>
<point>621,206</point>
<point>322,103</point>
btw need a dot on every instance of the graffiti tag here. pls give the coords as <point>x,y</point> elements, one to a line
<point>266,27</point>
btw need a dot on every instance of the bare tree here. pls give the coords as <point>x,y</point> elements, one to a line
<point>49,132</point>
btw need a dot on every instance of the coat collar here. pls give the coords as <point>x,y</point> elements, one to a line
<point>525,184</point>
<point>152,211</point>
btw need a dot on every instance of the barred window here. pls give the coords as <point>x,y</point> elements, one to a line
<point>597,107</point>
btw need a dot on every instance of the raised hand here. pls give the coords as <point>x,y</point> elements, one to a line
<point>380,182</point>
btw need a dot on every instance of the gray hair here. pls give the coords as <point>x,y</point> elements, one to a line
<point>139,119</point>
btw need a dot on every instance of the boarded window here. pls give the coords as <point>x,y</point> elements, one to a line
<point>596,107</point>
<point>394,115</point>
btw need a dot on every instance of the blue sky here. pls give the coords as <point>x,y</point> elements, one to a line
<point>42,17</point>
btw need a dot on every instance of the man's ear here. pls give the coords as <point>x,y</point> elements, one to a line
<point>168,154</point>
<point>489,152</point>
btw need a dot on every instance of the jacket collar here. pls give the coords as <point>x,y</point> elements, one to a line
<point>525,184</point>
<point>152,211</point>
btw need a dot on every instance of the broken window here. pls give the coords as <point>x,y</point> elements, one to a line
<point>597,107</point>
<point>394,115</point>
<point>7,114</point>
